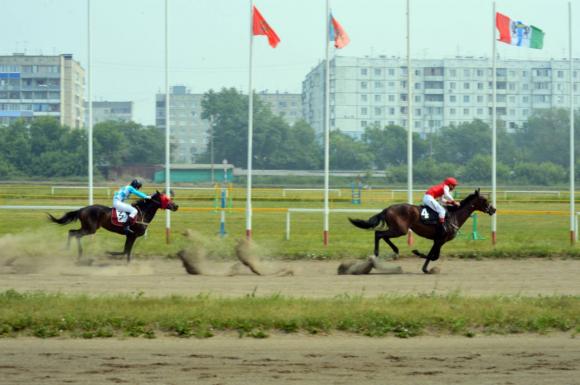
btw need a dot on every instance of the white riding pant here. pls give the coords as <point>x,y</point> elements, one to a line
<point>125,207</point>
<point>432,203</point>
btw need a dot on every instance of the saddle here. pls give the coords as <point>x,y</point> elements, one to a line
<point>428,215</point>
<point>119,218</point>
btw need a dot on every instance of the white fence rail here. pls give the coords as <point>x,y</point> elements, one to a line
<point>337,191</point>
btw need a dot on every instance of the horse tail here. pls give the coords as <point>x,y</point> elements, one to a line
<point>69,217</point>
<point>369,224</point>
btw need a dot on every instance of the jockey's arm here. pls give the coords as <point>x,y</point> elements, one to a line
<point>447,198</point>
<point>138,193</point>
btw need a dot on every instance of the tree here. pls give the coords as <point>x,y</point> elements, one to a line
<point>458,144</point>
<point>275,144</point>
<point>347,153</point>
<point>389,145</point>
<point>545,137</point>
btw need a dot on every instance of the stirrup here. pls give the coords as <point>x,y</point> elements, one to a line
<point>127,229</point>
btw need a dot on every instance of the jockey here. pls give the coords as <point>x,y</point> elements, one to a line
<point>121,195</point>
<point>443,191</point>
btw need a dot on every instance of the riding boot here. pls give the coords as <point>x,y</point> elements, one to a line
<point>441,228</point>
<point>128,224</point>
<point>127,228</point>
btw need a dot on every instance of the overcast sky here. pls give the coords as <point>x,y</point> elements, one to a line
<point>209,39</point>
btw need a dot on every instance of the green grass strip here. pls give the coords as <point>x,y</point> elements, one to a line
<point>50,315</point>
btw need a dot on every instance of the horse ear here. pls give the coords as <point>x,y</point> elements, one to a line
<point>477,191</point>
<point>156,191</point>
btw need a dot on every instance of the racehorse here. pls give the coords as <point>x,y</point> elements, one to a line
<point>398,219</point>
<point>96,216</point>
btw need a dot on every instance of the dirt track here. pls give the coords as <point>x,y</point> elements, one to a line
<point>311,279</point>
<point>293,359</point>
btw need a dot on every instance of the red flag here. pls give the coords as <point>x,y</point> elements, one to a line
<point>261,27</point>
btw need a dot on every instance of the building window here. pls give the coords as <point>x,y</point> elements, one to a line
<point>377,98</point>
<point>363,85</point>
<point>452,111</point>
<point>452,98</point>
<point>364,71</point>
<point>466,86</point>
<point>363,111</point>
<point>364,97</point>
<point>466,98</point>
<point>466,111</point>
<point>378,72</point>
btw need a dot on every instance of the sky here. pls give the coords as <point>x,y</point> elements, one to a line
<point>209,39</point>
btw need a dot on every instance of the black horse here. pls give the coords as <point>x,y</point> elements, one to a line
<point>95,216</point>
<point>397,220</point>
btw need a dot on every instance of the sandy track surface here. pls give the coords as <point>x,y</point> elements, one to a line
<point>161,277</point>
<point>294,359</point>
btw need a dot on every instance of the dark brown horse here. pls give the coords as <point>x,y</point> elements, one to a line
<point>96,216</point>
<point>397,220</point>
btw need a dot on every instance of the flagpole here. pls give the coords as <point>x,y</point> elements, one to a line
<point>167,128</point>
<point>250,130</point>
<point>90,102</point>
<point>326,125</point>
<point>572,155</point>
<point>493,128</point>
<point>409,119</point>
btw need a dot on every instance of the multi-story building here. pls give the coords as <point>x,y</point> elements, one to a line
<point>287,105</point>
<point>104,111</point>
<point>373,91</point>
<point>189,132</point>
<point>37,85</point>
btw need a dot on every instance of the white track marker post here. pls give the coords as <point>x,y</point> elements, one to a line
<point>493,127</point>
<point>167,129</point>
<point>326,125</point>
<point>572,157</point>
<point>409,119</point>
<point>250,128</point>
<point>90,102</point>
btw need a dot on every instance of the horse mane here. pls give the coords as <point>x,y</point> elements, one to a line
<point>143,203</point>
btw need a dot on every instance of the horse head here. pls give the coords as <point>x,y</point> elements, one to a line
<point>164,201</point>
<point>480,203</point>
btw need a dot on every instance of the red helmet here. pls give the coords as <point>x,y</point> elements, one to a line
<point>451,181</point>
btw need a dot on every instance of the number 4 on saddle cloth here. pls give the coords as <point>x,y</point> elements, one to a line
<point>429,216</point>
<point>119,218</point>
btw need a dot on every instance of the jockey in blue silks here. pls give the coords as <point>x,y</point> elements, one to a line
<point>124,193</point>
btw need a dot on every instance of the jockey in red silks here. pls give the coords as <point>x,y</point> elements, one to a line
<point>440,191</point>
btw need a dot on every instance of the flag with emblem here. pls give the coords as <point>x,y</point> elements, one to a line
<point>261,27</point>
<point>517,33</point>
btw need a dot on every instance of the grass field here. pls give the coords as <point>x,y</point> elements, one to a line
<point>528,224</point>
<point>51,315</point>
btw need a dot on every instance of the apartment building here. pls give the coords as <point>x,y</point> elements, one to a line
<point>39,85</point>
<point>367,91</point>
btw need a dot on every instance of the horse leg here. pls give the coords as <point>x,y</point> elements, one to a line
<point>129,246</point>
<point>76,234</point>
<point>432,256</point>
<point>386,235</point>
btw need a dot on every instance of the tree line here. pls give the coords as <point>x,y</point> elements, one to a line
<point>535,154</point>
<point>42,148</point>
